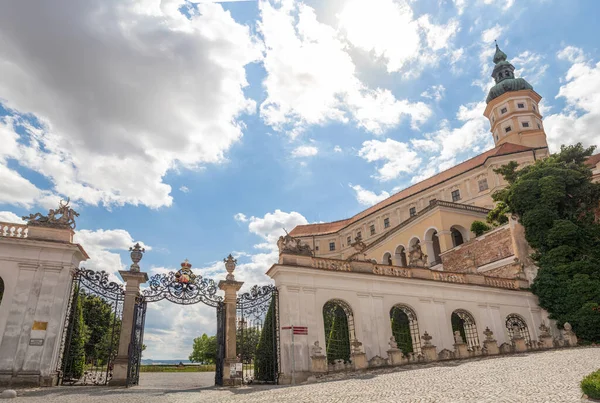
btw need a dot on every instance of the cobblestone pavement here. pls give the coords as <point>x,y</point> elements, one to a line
<point>551,376</point>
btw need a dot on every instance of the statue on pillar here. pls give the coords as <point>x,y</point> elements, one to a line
<point>63,217</point>
<point>416,257</point>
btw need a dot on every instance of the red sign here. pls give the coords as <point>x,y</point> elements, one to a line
<point>301,330</point>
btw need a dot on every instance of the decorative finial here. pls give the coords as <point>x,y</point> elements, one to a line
<point>137,252</point>
<point>230,263</point>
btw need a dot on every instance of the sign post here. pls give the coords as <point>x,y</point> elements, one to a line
<point>299,330</point>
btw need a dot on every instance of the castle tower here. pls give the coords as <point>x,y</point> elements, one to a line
<point>513,107</point>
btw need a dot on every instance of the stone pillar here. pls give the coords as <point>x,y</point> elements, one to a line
<point>545,337</point>
<point>132,290</point>
<point>394,353</point>
<point>230,287</point>
<point>358,358</point>
<point>460,347</point>
<point>490,344</point>
<point>518,340</point>
<point>318,362</point>
<point>445,238</point>
<point>428,349</point>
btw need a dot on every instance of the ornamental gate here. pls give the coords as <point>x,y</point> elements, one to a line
<point>182,287</point>
<point>92,327</point>
<point>258,334</point>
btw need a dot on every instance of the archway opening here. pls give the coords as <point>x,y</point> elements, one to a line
<point>339,330</point>
<point>514,322</point>
<point>387,259</point>
<point>400,256</point>
<point>464,323</point>
<point>435,244</point>
<point>457,237</point>
<point>405,329</point>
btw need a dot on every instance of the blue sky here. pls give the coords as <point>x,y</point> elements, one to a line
<point>204,129</point>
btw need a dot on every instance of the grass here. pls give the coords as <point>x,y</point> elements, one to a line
<point>175,368</point>
<point>590,385</point>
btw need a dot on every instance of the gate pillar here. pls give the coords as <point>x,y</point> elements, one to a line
<point>230,287</point>
<point>133,278</point>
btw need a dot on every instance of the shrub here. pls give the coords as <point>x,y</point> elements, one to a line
<point>590,385</point>
<point>479,228</point>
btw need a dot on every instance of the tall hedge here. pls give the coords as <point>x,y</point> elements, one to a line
<point>74,360</point>
<point>265,363</point>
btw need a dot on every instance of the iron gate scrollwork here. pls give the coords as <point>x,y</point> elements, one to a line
<point>257,334</point>
<point>136,345</point>
<point>92,328</point>
<point>221,315</point>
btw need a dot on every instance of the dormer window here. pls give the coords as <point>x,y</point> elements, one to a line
<point>503,111</point>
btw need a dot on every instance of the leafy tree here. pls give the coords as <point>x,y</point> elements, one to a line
<point>337,343</point>
<point>99,320</point>
<point>557,203</point>
<point>498,215</point>
<point>479,227</point>
<point>247,338</point>
<point>74,360</point>
<point>204,349</point>
<point>266,358</point>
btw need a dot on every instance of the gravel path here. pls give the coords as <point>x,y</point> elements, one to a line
<point>551,376</point>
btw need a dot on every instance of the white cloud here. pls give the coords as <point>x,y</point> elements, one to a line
<point>367,197</point>
<point>435,92</point>
<point>398,157</point>
<point>337,149</point>
<point>10,217</point>
<point>311,79</point>
<point>240,217</point>
<point>271,226</point>
<point>504,4</point>
<point>460,6</point>
<point>489,35</point>
<point>580,120</point>
<point>530,66</point>
<point>376,26</point>
<point>122,88</point>
<point>305,151</point>
<point>184,189</point>
<point>572,54</point>
<point>103,246</point>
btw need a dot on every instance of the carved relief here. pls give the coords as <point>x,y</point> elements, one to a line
<point>416,257</point>
<point>289,244</point>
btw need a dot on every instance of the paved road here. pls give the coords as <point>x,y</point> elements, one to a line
<point>551,376</point>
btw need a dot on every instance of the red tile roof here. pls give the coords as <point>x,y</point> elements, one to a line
<point>593,160</point>
<point>327,228</point>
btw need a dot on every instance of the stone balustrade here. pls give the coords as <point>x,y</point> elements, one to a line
<point>12,230</point>
<point>369,267</point>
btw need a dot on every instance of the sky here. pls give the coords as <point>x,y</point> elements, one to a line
<point>204,128</point>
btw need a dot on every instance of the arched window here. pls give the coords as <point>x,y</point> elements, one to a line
<point>514,321</point>
<point>463,322</point>
<point>436,247</point>
<point>339,330</point>
<point>400,256</point>
<point>457,238</point>
<point>387,259</point>
<point>405,329</point>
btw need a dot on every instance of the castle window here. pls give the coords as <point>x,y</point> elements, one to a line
<point>497,137</point>
<point>349,240</point>
<point>359,235</point>
<point>503,111</point>
<point>539,126</point>
<point>386,223</point>
<point>455,195</point>
<point>525,124</point>
<point>317,247</point>
<point>372,229</point>
<point>412,211</point>
<point>521,105</point>
<point>483,185</point>
<point>331,246</point>
<point>533,106</point>
<point>507,129</point>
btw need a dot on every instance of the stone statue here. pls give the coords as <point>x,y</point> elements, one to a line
<point>62,218</point>
<point>393,344</point>
<point>458,338</point>
<point>416,257</point>
<point>489,335</point>
<point>316,350</point>
<point>293,246</point>
<point>516,331</point>
<point>426,339</point>
<point>544,330</point>
<point>356,346</point>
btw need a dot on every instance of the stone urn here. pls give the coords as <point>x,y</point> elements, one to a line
<point>137,252</point>
<point>230,263</point>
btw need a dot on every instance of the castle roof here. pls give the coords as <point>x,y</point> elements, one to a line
<point>504,77</point>
<point>477,161</point>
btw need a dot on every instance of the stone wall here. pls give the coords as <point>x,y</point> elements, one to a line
<point>483,250</point>
<point>506,271</point>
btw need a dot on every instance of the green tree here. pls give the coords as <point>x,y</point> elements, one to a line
<point>247,338</point>
<point>498,215</point>
<point>337,342</point>
<point>99,320</point>
<point>557,203</point>
<point>479,227</point>
<point>74,360</point>
<point>204,350</point>
<point>266,358</point>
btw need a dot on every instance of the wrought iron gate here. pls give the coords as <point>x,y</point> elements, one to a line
<point>221,315</point>
<point>92,327</point>
<point>137,342</point>
<point>257,334</point>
